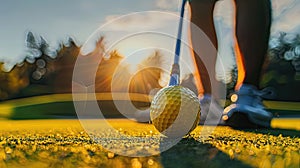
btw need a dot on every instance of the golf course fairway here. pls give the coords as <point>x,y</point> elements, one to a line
<point>64,143</point>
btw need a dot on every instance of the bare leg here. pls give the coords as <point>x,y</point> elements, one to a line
<point>253,20</point>
<point>202,16</point>
<point>204,40</point>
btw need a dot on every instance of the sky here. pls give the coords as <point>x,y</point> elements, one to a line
<point>55,20</point>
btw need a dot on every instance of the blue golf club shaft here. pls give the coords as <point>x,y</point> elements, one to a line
<point>175,73</point>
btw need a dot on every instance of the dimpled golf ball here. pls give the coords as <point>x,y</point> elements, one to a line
<point>175,111</point>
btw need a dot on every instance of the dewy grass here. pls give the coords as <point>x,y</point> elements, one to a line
<point>64,143</point>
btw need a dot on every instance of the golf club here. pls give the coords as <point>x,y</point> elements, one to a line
<point>175,73</point>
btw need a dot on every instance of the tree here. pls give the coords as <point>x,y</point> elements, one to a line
<point>62,66</point>
<point>148,74</point>
<point>48,71</point>
<point>282,69</point>
<point>111,70</point>
<point>12,82</point>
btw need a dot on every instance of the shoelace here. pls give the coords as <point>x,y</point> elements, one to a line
<point>266,93</point>
<point>257,95</point>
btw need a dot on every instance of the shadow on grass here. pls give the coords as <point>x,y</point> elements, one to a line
<point>66,110</point>
<point>275,132</point>
<point>191,153</point>
<point>54,110</point>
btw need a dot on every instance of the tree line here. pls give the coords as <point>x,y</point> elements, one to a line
<point>48,71</point>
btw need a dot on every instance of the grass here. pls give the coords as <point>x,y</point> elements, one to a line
<point>64,143</point>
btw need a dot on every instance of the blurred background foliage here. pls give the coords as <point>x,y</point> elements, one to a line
<point>48,71</point>
<point>282,67</point>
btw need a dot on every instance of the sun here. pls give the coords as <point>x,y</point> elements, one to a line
<point>134,57</point>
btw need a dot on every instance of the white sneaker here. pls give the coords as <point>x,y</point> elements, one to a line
<point>211,111</point>
<point>247,110</point>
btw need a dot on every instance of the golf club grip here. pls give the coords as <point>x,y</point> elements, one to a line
<point>175,73</point>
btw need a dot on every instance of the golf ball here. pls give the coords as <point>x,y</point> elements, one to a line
<point>175,111</point>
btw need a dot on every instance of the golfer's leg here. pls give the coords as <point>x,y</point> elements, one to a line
<point>253,19</point>
<point>202,17</point>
